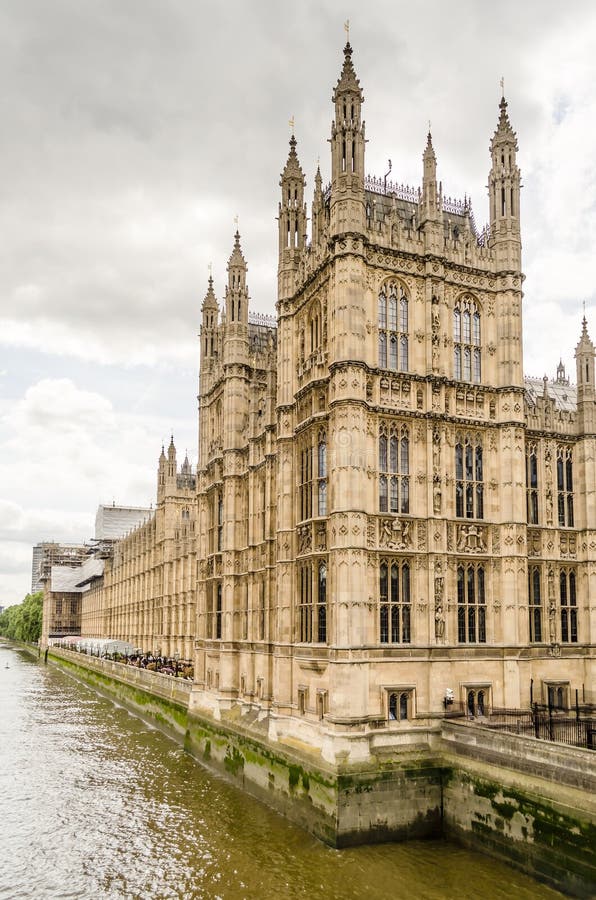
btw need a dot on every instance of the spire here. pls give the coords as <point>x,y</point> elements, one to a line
<point>504,182</point>
<point>348,81</point>
<point>585,347</point>
<point>504,133</point>
<point>185,470</point>
<point>210,300</point>
<point>292,209</point>
<point>210,311</point>
<point>171,466</point>
<point>236,290</point>
<point>237,258</point>
<point>171,449</point>
<point>348,210</point>
<point>430,197</point>
<point>586,386</point>
<point>161,474</point>
<point>292,168</point>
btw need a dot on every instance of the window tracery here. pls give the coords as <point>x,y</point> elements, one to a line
<point>393,328</point>
<point>394,602</point>
<point>467,353</point>
<point>469,477</point>
<point>394,468</point>
<point>471,604</point>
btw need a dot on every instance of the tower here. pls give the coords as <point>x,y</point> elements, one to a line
<point>161,475</point>
<point>430,212</point>
<point>209,323</point>
<point>504,194</point>
<point>586,393</point>
<point>347,152</point>
<point>236,301</point>
<point>291,222</point>
<point>171,465</point>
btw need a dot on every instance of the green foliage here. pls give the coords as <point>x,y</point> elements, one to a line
<point>23,621</point>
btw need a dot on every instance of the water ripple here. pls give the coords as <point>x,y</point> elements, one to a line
<point>97,804</point>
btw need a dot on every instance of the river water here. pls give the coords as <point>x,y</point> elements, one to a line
<point>96,804</point>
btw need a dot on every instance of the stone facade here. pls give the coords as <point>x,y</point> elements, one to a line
<point>387,512</point>
<point>147,594</point>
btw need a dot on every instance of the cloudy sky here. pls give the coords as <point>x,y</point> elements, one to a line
<point>134,131</point>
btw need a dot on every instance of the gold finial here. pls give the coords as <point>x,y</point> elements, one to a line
<point>429,126</point>
<point>210,267</point>
<point>291,123</point>
<point>236,222</point>
<point>502,83</point>
<point>347,29</point>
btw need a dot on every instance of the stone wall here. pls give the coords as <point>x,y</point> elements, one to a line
<point>526,801</point>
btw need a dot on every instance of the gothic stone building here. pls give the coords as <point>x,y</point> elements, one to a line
<point>387,510</point>
<point>145,589</point>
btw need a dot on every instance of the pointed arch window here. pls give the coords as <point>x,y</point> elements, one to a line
<point>393,328</point>
<point>471,605</point>
<point>322,475</point>
<point>312,476</point>
<point>532,483</point>
<point>568,604</point>
<point>467,345</point>
<point>469,478</point>
<point>394,469</point>
<point>394,602</point>
<point>311,623</point>
<point>535,604</point>
<point>565,486</point>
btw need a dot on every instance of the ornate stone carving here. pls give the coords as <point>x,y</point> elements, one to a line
<point>395,534</point>
<point>437,496</point>
<point>450,545</point>
<point>471,538</point>
<point>304,539</point>
<point>552,606</point>
<point>534,543</point>
<point>321,537</point>
<point>439,600</point>
<point>421,535</point>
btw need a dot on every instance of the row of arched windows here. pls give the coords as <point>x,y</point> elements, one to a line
<point>393,328</point>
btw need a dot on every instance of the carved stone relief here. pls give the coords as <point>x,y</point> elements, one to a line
<point>471,538</point>
<point>395,533</point>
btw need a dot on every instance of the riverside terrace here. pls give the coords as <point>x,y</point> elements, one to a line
<point>122,652</point>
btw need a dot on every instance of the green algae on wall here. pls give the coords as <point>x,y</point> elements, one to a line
<point>546,839</point>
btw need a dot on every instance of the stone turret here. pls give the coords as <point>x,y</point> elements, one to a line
<point>161,475</point>
<point>210,315</point>
<point>236,291</point>
<point>348,209</point>
<point>504,183</point>
<point>586,394</point>
<point>291,221</point>
<point>318,214</point>
<point>431,200</point>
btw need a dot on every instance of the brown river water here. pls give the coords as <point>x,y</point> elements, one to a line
<point>96,804</point>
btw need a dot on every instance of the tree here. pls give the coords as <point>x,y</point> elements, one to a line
<point>23,621</point>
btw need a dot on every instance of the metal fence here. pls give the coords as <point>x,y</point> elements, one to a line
<point>576,727</point>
